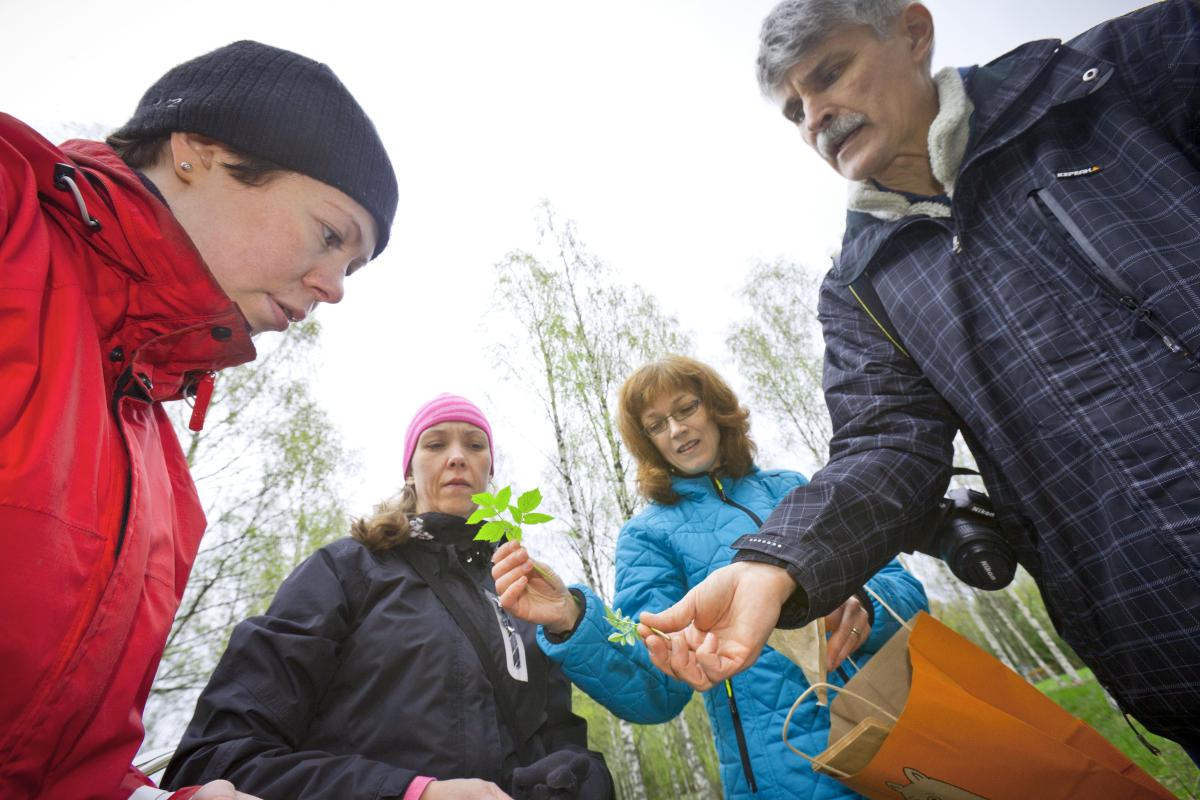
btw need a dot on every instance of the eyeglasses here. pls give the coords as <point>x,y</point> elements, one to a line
<point>682,413</point>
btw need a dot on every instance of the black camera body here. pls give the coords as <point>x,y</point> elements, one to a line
<point>967,537</point>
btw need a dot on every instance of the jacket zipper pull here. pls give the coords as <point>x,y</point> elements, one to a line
<point>204,390</point>
<point>716,482</point>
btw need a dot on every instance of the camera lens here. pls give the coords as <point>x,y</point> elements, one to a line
<point>984,566</point>
<point>976,552</point>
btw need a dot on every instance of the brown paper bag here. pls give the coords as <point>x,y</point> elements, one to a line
<point>933,716</point>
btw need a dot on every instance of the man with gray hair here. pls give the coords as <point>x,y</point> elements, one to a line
<point>1021,262</point>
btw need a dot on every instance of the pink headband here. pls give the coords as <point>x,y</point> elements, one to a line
<point>445,408</point>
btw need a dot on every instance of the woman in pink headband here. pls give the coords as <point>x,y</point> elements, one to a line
<point>386,667</point>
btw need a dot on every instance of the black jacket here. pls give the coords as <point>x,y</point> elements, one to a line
<point>358,679</point>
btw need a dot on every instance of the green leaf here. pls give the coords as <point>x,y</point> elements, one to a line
<point>616,636</point>
<point>484,499</point>
<point>534,518</point>
<point>479,515</point>
<point>517,516</point>
<point>514,533</point>
<point>491,532</point>
<point>530,500</point>
<point>502,497</point>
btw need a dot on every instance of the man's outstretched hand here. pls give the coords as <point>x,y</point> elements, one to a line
<point>721,624</point>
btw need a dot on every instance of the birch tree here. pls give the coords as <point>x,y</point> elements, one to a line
<point>778,351</point>
<point>583,332</point>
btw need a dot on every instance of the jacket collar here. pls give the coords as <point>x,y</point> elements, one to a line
<point>696,487</point>
<point>158,303</point>
<point>947,145</point>
<point>434,531</point>
<point>1008,96</point>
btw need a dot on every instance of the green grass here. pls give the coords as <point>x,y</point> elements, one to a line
<point>1173,769</point>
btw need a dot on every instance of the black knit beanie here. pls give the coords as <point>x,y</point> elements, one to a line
<point>281,106</point>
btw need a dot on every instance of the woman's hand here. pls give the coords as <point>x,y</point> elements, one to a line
<point>221,790</point>
<point>527,593</point>
<point>463,789</point>
<point>848,627</point>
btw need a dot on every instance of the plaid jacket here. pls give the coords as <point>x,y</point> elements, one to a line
<point>1081,401</point>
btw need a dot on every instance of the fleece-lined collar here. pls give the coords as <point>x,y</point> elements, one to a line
<point>947,144</point>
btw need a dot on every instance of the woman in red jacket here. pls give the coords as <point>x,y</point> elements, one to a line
<point>247,185</point>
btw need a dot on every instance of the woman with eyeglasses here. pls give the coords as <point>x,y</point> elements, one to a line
<point>695,466</point>
<point>386,668</point>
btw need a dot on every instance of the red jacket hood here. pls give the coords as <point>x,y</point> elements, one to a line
<point>159,303</point>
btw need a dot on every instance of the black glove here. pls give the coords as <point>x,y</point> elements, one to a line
<point>562,775</point>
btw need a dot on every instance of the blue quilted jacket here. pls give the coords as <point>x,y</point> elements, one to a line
<point>661,553</point>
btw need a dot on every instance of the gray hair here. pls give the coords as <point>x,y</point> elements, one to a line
<point>795,26</point>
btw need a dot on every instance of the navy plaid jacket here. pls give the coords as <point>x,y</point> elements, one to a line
<point>1081,399</point>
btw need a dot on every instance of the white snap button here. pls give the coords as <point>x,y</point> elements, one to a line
<point>1091,74</point>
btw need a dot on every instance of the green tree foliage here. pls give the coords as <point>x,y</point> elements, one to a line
<point>269,466</point>
<point>778,351</point>
<point>579,334</point>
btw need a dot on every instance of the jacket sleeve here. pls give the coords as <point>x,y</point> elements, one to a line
<point>263,693</point>
<point>890,460</point>
<point>621,677</point>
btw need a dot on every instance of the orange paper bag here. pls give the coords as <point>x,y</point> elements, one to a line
<point>933,716</point>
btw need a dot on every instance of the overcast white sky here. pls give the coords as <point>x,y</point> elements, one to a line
<point>638,119</point>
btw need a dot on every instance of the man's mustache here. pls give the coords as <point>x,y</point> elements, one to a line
<point>831,138</point>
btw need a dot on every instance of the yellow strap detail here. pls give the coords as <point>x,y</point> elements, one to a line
<point>867,308</point>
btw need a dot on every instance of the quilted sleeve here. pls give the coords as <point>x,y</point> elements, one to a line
<point>621,677</point>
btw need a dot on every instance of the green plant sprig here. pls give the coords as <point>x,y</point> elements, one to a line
<point>493,508</point>
<point>491,512</point>
<point>626,630</point>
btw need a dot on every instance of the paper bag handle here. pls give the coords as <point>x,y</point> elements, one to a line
<point>788,720</point>
<point>887,608</point>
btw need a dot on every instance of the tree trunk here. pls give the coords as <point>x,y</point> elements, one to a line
<point>635,788</point>
<point>1016,632</point>
<point>697,776</point>
<point>1068,668</point>
<point>985,627</point>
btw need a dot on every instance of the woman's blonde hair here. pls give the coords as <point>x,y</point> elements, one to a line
<point>671,374</point>
<point>389,524</point>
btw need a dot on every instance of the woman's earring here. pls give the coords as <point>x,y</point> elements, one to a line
<point>186,166</point>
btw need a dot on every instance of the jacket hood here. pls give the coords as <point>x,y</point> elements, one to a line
<point>158,302</point>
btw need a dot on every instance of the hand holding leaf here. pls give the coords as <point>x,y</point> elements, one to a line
<point>493,508</point>
<point>625,629</point>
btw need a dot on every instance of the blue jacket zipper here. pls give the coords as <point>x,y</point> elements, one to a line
<point>743,750</point>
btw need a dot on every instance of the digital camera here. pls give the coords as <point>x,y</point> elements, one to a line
<point>967,537</point>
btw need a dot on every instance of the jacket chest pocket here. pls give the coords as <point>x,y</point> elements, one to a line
<point>1140,298</point>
